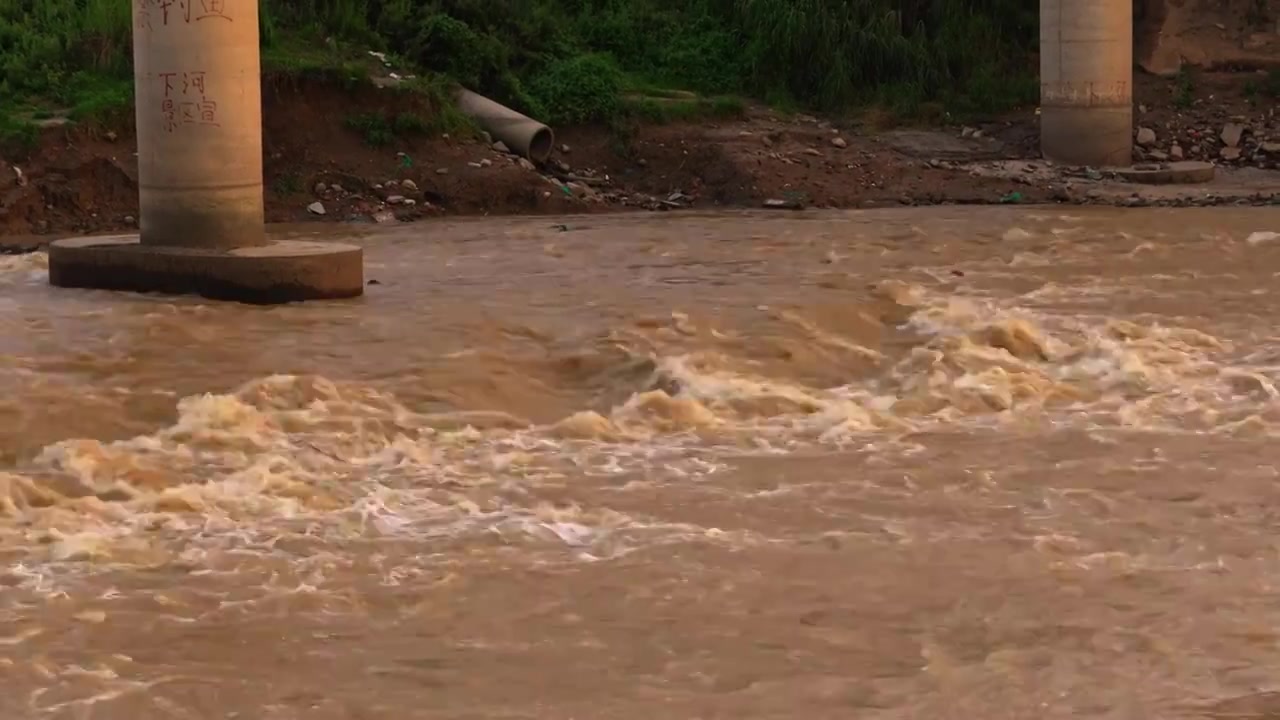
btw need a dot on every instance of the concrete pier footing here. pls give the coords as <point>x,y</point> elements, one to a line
<point>274,272</point>
<point>198,96</point>
<point>1086,81</point>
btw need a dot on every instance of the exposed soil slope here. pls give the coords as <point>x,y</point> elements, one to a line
<point>84,181</point>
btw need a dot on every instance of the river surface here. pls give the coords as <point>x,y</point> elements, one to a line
<point>954,463</point>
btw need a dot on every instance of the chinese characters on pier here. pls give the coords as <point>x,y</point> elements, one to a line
<point>184,101</point>
<point>163,13</point>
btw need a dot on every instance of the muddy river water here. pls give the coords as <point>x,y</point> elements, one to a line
<point>957,463</point>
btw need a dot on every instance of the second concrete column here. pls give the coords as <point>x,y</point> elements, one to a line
<point>1086,81</point>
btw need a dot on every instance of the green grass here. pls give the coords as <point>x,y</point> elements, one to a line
<point>17,136</point>
<point>381,130</point>
<point>287,184</point>
<point>302,56</point>
<point>1267,87</point>
<point>577,61</point>
<point>673,110</point>
<point>1271,85</point>
<point>439,116</point>
<point>374,127</point>
<point>1184,88</point>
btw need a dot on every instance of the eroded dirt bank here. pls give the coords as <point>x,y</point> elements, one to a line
<point>321,168</point>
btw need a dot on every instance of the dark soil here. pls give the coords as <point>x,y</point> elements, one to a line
<point>82,180</point>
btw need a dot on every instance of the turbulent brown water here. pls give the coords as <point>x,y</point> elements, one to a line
<point>945,464</point>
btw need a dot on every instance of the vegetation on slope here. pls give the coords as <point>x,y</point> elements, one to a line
<point>571,61</point>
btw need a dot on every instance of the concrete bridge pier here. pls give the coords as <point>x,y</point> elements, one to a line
<point>1086,81</point>
<point>198,94</point>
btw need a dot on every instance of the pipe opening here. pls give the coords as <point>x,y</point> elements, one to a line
<point>541,144</point>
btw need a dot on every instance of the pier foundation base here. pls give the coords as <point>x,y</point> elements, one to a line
<point>277,272</point>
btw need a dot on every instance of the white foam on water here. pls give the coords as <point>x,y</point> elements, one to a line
<point>25,269</point>
<point>287,456</point>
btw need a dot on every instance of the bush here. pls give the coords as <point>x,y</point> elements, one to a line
<point>568,60</point>
<point>46,43</point>
<point>448,45</point>
<point>970,55</point>
<point>579,90</point>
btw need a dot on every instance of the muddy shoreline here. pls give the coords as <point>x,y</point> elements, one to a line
<point>318,168</point>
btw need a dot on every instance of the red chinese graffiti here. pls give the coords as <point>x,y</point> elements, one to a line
<point>184,101</point>
<point>213,10</point>
<point>148,12</point>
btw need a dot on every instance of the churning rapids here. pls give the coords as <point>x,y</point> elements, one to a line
<point>960,463</point>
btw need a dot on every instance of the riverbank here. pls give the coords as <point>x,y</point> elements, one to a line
<point>390,162</point>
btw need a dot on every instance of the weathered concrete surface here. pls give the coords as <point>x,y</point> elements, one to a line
<point>1086,81</point>
<point>277,272</point>
<point>1178,173</point>
<point>1107,187</point>
<point>1234,186</point>
<point>199,119</point>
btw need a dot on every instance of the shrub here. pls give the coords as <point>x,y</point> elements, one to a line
<point>579,90</point>
<point>568,60</point>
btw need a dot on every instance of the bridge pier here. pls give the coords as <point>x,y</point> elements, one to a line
<point>1086,81</point>
<point>198,97</point>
